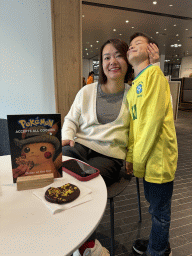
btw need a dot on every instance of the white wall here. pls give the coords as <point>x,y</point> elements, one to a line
<point>186,67</point>
<point>26,60</point>
<point>162,62</point>
<point>87,67</point>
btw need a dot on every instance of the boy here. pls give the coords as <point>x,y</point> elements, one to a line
<point>152,151</point>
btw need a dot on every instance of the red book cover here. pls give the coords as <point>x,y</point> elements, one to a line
<point>35,144</point>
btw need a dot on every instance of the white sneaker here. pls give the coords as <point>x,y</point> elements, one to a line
<point>97,250</point>
<point>76,253</point>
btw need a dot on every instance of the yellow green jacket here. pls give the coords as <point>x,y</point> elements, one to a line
<point>152,146</point>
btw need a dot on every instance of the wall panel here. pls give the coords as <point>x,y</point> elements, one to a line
<point>67,43</point>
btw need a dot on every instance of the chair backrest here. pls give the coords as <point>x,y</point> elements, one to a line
<point>4,138</point>
<point>187,89</point>
<point>175,93</point>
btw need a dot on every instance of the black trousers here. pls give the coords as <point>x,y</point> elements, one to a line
<point>109,167</point>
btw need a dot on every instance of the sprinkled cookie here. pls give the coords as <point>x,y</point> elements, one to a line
<point>21,161</point>
<point>62,195</point>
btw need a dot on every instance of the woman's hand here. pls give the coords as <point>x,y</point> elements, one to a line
<point>71,143</point>
<point>153,52</point>
<point>129,168</point>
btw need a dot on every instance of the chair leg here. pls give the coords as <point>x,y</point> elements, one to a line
<point>138,198</point>
<point>112,225</point>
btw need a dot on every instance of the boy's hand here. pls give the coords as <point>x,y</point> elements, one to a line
<point>71,143</point>
<point>153,52</point>
<point>129,168</point>
<point>20,171</point>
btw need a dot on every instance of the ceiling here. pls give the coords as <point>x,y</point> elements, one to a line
<point>169,22</point>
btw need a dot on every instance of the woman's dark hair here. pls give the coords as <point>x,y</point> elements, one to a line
<point>122,47</point>
<point>149,39</point>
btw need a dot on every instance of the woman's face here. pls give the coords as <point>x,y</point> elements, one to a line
<point>114,65</point>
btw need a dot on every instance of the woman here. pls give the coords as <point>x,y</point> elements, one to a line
<point>90,79</point>
<point>96,128</point>
<point>98,116</point>
<point>84,82</point>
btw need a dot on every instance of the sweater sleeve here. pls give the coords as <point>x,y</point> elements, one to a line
<point>151,117</point>
<point>71,121</point>
<point>129,157</point>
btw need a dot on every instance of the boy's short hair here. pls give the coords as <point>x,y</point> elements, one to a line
<point>149,39</point>
<point>122,47</point>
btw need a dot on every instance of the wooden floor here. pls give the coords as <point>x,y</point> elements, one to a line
<point>127,228</point>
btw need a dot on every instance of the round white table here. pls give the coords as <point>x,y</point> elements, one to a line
<point>27,227</point>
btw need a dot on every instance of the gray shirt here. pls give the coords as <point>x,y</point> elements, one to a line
<point>108,105</point>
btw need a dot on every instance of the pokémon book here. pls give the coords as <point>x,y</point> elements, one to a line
<point>35,144</point>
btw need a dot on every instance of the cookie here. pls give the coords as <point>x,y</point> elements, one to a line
<point>62,195</point>
<point>21,161</point>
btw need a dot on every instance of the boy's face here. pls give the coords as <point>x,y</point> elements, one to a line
<point>138,50</point>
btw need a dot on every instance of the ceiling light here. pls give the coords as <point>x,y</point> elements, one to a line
<point>87,53</point>
<point>154,2</point>
<point>126,21</point>
<point>157,32</point>
<point>132,27</point>
<point>170,5</point>
<point>175,25</point>
<point>86,49</point>
<point>114,29</point>
<point>186,29</point>
<point>91,45</point>
<point>165,29</point>
<point>120,34</point>
<point>83,16</point>
<point>178,40</point>
<point>176,45</point>
<point>97,41</point>
<point>177,35</point>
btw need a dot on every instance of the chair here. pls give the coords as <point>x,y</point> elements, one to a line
<point>113,191</point>
<point>4,138</point>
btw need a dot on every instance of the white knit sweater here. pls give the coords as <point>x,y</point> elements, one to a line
<point>82,126</point>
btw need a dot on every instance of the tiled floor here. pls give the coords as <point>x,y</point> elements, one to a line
<point>127,228</point>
